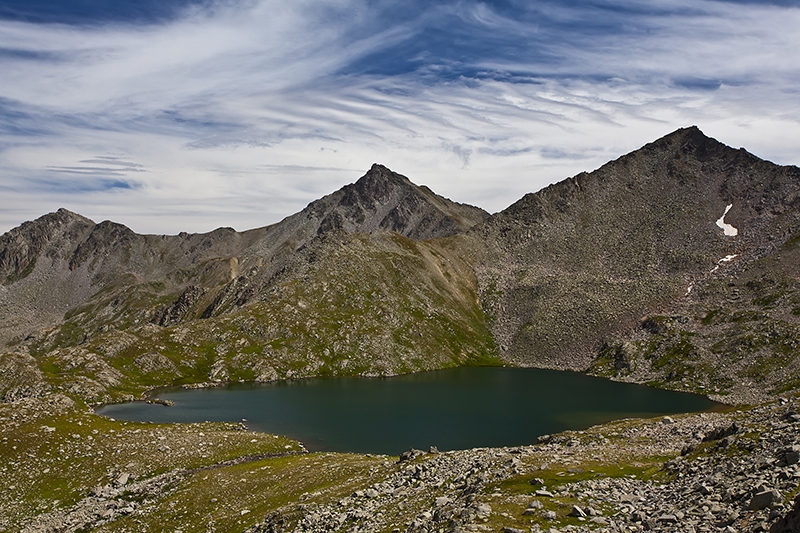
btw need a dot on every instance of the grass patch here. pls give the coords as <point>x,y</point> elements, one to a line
<point>236,497</point>
<point>51,461</point>
<point>709,317</point>
<point>511,497</point>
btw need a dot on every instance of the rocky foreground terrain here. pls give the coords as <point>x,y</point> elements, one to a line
<point>735,472</point>
<point>66,469</point>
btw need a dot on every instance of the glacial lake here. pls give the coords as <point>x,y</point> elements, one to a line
<point>452,409</point>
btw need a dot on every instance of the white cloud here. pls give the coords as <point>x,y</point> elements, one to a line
<point>242,113</point>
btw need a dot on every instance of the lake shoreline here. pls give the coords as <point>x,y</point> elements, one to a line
<point>457,408</point>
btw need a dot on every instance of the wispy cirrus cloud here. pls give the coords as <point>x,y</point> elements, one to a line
<point>101,166</point>
<point>240,112</point>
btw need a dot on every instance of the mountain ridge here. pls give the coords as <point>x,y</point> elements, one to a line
<point>370,204</point>
<point>384,276</point>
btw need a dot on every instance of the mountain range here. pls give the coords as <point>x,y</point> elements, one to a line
<point>675,265</point>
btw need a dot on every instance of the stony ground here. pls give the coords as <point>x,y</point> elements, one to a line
<point>734,471</point>
<point>66,469</point>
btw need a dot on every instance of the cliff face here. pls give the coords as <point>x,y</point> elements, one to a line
<point>627,271</point>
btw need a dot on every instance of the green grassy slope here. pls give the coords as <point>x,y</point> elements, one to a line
<point>369,305</point>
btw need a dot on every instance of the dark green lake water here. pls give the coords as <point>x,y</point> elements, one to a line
<point>451,409</point>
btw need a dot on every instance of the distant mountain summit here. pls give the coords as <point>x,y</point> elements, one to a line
<point>674,265</point>
<point>383,200</point>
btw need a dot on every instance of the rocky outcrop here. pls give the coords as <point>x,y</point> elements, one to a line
<point>20,377</point>
<point>174,312</point>
<point>789,523</point>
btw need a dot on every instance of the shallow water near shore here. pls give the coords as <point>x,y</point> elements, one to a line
<point>452,409</point>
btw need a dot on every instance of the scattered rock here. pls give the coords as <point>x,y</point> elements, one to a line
<point>764,499</point>
<point>577,512</point>
<point>790,455</point>
<point>410,455</point>
<point>789,523</point>
<point>441,501</point>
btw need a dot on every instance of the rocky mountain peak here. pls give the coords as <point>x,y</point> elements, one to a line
<point>21,247</point>
<point>50,221</point>
<point>383,200</point>
<point>688,142</point>
<point>379,183</point>
<point>684,162</point>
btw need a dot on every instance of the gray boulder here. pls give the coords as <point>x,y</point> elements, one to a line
<point>764,499</point>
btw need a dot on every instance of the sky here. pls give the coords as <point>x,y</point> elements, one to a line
<point>187,115</point>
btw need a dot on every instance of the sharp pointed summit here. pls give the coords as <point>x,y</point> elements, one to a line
<point>383,200</point>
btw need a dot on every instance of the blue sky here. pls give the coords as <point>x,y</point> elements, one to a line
<point>178,115</point>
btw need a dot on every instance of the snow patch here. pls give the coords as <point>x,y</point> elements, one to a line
<point>726,259</point>
<point>729,230</point>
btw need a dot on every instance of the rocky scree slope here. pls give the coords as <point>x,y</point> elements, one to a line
<point>566,271</point>
<point>735,336</point>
